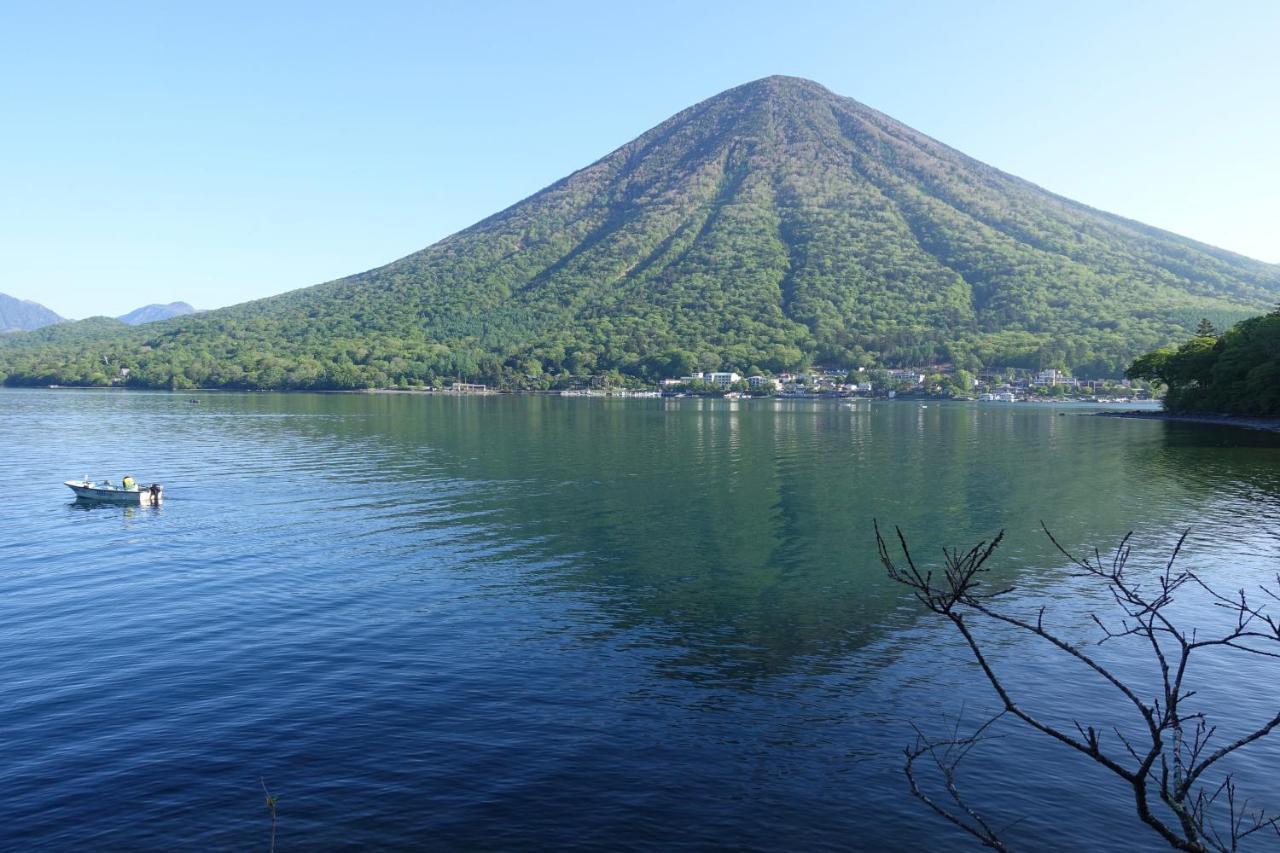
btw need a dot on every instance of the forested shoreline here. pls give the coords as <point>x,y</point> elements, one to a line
<point>1233,373</point>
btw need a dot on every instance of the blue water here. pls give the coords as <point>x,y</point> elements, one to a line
<point>520,622</point>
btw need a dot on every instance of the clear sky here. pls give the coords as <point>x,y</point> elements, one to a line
<point>219,152</point>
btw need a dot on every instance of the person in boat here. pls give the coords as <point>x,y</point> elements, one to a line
<point>128,484</point>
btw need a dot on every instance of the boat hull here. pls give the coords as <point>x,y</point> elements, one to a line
<point>128,497</point>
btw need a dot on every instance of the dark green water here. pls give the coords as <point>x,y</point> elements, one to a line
<point>523,622</point>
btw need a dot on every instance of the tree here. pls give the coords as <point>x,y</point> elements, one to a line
<point>531,367</point>
<point>1168,767</point>
<point>879,380</point>
<point>1205,329</point>
<point>1235,373</point>
<point>1153,366</point>
<point>962,382</point>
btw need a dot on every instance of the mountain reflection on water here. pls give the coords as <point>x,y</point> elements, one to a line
<point>531,621</point>
<point>747,527</point>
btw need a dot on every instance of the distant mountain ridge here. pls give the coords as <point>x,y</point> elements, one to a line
<point>23,315</point>
<point>769,227</point>
<point>154,312</point>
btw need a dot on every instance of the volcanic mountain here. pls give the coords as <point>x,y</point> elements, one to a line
<point>773,225</point>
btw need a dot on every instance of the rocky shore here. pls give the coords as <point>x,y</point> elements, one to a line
<point>1264,424</point>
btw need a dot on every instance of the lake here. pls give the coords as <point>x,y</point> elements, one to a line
<point>521,622</point>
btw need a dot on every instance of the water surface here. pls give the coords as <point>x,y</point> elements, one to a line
<point>527,622</point>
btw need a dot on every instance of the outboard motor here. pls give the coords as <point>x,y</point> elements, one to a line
<point>156,490</point>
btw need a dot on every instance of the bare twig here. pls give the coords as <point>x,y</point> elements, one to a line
<point>1166,766</point>
<point>947,755</point>
<point>271,805</point>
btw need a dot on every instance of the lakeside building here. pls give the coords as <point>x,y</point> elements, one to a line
<point>721,379</point>
<point>1004,385</point>
<point>1050,378</point>
<point>915,377</point>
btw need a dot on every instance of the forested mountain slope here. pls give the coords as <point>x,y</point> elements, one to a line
<point>771,226</point>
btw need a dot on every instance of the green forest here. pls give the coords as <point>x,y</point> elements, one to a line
<point>772,227</point>
<point>1235,373</point>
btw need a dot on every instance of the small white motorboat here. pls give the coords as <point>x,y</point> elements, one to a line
<point>88,490</point>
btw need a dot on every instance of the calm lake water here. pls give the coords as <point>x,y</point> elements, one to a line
<point>525,622</point>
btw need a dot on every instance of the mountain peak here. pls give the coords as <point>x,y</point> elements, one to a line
<point>784,83</point>
<point>782,94</point>
<point>777,93</point>
<point>18,315</point>
<point>155,312</point>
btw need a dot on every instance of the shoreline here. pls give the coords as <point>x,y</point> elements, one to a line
<point>1240,422</point>
<point>632,394</point>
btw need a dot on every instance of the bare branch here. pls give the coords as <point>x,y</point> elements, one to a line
<point>1175,757</point>
<point>947,755</point>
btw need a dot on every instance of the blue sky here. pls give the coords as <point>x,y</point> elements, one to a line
<point>221,152</point>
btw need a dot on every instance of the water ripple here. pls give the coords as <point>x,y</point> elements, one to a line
<point>497,623</point>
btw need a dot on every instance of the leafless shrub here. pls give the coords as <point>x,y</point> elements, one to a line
<point>1169,764</point>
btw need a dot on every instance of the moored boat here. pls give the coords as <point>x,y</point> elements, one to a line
<point>87,490</point>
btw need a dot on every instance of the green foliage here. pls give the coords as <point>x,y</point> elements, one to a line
<point>960,382</point>
<point>1236,373</point>
<point>769,228</point>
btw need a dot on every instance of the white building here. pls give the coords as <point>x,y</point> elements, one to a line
<point>723,380</point>
<point>915,377</point>
<point>1049,378</point>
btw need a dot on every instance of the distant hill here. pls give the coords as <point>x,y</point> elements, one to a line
<point>154,312</point>
<point>20,315</point>
<point>771,226</point>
